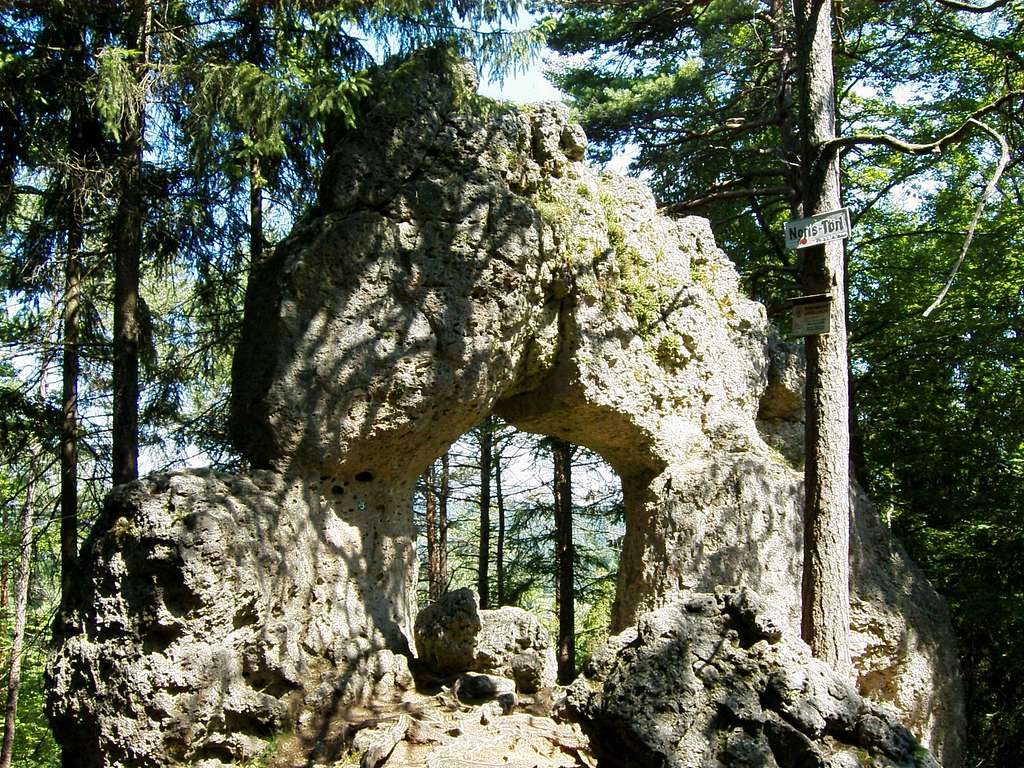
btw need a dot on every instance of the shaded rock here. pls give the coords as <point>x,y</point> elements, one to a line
<point>211,609</point>
<point>446,631</point>
<point>455,635</point>
<point>475,688</point>
<point>460,261</point>
<point>699,683</point>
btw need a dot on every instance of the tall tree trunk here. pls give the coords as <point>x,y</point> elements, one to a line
<point>69,399</point>
<point>256,55</point>
<point>483,580</point>
<point>127,259</point>
<point>255,211</point>
<point>565,594</point>
<point>434,584</point>
<point>71,364</point>
<point>499,554</point>
<point>442,526</point>
<point>20,615</point>
<point>826,599</point>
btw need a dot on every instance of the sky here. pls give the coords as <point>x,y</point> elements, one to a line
<point>530,86</point>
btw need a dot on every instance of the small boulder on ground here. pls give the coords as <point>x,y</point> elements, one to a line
<point>455,635</point>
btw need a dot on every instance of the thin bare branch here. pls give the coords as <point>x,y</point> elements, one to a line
<point>829,148</point>
<point>1004,159</point>
<point>956,6</point>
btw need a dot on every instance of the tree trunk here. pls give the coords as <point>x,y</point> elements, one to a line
<point>826,599</point>
<point>499,555</point>
<point>565,595</point>
<point>20,615</point>
<point>69,398</point>
<point>486,433</point>
<point>255,56</point>
<point>71,364</point>
<point>127,258</point>
<point>442,526</point>
<point>255,211</point>
<point>434,584</point>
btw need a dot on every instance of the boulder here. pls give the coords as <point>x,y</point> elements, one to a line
<point>709,680</point>
<point>474,688</point>
<point>455,635</point>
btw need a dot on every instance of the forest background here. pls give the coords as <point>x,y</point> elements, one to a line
<point>150,151</point>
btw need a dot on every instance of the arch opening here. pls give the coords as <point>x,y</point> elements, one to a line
<point>487,511</point>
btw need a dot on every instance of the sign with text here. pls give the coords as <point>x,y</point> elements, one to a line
<point>834,225</point>
<point>811,315</point>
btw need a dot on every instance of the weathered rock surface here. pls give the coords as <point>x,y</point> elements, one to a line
<point>455,635</point>
<point>461,260</point>
<point>214,608</point>
<point>711,680</point>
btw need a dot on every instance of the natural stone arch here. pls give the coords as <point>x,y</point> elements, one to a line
<point>461,260</point>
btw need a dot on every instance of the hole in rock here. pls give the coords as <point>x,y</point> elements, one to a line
<point>365,476</point>
<point>487,512</point>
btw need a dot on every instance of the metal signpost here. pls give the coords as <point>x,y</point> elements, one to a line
<point>811,313</point>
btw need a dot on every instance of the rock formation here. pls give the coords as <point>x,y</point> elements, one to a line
<point>709,680</point>
<point>455,635</point>
<point>461,260</point>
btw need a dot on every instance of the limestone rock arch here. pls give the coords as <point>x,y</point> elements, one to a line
<point>461,260</point>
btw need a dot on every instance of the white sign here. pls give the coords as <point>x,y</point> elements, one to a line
<point>834,225</point>
<point>811,315</point>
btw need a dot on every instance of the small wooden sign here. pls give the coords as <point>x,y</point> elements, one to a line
<point>811,315</point>
<point>833,225</point>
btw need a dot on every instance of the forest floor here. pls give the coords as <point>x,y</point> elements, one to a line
<point>429,727</point>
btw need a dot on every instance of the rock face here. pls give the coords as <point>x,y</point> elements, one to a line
<point>462,260</point>
<point>455,635</point>
<point>214,608</point>
<point>708,680</point>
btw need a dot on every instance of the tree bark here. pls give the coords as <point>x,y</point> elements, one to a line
<point>483,579</point>
<point>499,554</point>
<point>442,525</point>
<point>826,606</point>
<point>69,398</point>
<point>20,616</point>
<point>565,596</point>
<point>255,56</point>
<point>434,583</point>
<point>127,259</point>
<point>71,362</point>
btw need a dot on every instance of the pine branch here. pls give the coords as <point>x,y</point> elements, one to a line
<point>957,6</point>
<point>731,194</point>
